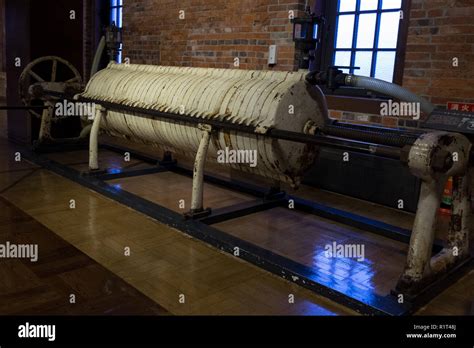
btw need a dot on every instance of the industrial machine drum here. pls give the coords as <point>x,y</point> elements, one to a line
<point>261,99</point>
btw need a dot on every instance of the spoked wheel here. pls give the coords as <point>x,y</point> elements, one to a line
<point>44,70</point>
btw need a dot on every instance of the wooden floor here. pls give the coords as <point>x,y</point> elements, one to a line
<point>164,263</point>
<point>45,287</point>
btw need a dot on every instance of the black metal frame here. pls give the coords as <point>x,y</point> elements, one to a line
<point>199,225</point>
<point>362,301</point>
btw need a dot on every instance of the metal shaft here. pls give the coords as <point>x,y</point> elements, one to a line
<point>321,140</point>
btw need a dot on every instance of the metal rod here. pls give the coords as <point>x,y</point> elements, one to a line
<point>350,145</point>
<point>395,139</point>
<point>344,144</point>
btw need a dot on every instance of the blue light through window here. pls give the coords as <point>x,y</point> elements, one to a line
<point>367,36</point>
<point>116,7</point>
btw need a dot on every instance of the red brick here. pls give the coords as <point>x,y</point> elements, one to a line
<point>451,33</point>
<point>214,30</point>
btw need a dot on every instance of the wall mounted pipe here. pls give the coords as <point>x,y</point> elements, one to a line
<point>390,89</point>
<point>98,56</point>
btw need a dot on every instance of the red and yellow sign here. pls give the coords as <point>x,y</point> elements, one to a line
<point>466,107</point>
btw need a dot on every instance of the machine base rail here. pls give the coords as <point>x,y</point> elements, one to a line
<point>239,210</point>
<point>112,175</point>
<point>330,213</point>
<point>361,300</point>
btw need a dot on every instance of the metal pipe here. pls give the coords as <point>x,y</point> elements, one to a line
<point>390,89</point>
<point>350,145</point>
<point>373,136</point>
<point>198,174</point>
<point>415,132</point>
<point>339,143</point>
<point>97,57</point>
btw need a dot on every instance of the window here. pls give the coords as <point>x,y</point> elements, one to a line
<point>366,36</point>
<point>116,7</point>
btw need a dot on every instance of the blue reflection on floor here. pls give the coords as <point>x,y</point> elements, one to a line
<point>114,171</point>
<point>117,187</point>
<point>345,275</point>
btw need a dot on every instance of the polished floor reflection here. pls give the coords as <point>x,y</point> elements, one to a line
<point>165,264</point>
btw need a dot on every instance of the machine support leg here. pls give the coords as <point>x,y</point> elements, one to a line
<point>198,173</point>
<point>423,233</point>
<point>434,158</point>
<point>458,234</point>
<point>94,139</point>
<point>45,128</point>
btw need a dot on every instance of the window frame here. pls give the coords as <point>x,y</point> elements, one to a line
<point>330,12</point>
<point>119,14</point>
<point>119,9</point>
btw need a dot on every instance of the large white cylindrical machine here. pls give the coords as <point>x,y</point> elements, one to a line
<point>282,118</point>
<point>260,99</point>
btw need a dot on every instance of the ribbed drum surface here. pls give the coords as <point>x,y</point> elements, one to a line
<point>282,100</point>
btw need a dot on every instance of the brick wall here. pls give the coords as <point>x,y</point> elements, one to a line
<point>441,30</point>
<point>212,34</point>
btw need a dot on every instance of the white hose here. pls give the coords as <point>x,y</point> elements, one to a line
<point>389,89</point>
<point>98,55</point>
